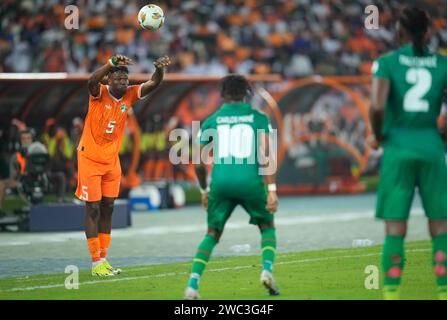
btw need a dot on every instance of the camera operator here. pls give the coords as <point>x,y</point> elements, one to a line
<point>19,174</point>
<point>16,165</point>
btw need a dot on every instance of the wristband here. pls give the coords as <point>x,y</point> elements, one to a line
<point>113,62</point>
<point>202,191</point>
<point>271,187</point>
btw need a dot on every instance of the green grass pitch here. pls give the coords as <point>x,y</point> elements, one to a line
<point>323,274</point>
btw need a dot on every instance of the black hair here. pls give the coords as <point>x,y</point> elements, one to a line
<point>416,22</point>
<point>118,68</point>
<point>235,87</point>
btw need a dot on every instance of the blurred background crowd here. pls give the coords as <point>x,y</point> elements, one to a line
<point>293,38</point>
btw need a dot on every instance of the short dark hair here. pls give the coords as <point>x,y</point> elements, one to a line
<point>235,87</point>
<point>416,22</point>
<point>118,68</point>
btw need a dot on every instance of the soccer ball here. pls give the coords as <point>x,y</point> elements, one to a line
<point>151,17</point>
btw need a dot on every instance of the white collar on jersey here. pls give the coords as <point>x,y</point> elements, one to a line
<point>117,100</point>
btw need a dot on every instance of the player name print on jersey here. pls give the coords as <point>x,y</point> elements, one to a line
<point>418,62</point>
<point>235,119</point>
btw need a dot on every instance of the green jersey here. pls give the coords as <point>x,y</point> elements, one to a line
<point>417,86</point>
<point>234,130</point>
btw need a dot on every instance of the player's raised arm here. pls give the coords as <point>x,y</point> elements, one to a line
<point>98,75</point>
<point>157,77</point>
<point>379,94</point>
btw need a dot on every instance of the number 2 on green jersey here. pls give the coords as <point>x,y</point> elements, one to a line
<point>421,80</point>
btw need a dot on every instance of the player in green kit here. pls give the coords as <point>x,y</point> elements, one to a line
<point>239,136</point>
<point>407,92</point>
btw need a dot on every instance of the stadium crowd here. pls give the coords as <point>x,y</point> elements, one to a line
<point>293,38</point>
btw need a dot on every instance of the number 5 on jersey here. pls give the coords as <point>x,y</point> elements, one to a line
<point>111,126</point>
<point>84,195</point>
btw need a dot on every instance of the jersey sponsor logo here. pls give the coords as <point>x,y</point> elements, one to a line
<point>108,106</point>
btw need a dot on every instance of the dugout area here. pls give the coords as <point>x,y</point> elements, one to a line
<point>320,121</point>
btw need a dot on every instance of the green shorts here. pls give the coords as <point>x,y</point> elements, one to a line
<point>220,209</point>
<point>401,172</point>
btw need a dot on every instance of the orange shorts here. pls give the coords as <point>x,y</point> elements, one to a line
<point>96,180</point>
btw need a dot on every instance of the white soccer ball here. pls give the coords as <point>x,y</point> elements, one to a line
<point>151,17</point>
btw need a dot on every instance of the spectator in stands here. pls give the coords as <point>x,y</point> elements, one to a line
<point>163,167</point>
<point>147,148</point>
<point>20,59</point>
<point>76,131</point>
<point>75,136</point>
<point>54,58</point>
<point>48,131</point>
<point>325,37</point>
<point>61,153</point>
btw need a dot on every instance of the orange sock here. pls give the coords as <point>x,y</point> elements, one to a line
<point>104,241</point>
<point>94,248</point>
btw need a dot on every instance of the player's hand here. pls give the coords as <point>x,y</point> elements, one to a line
<point>372,142</point>
<point>120,60</point>
<point>162,62</point>
<point>272,202</point>
<point>205,200</point>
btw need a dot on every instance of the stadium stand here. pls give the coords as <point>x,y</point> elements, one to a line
<point>292,38</point>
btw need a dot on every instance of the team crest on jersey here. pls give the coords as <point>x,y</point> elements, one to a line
<point>123,107</point>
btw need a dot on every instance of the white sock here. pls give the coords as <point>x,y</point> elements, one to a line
<point>102,260</point>
<point>95,263</point>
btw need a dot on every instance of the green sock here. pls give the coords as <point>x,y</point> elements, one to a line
<point>268,246</point>
<point>440,263</point>
<point>393,260</point>
<point>201,259</point>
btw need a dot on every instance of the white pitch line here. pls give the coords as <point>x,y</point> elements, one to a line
<point>15,243</point>
<point>162,275</point>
